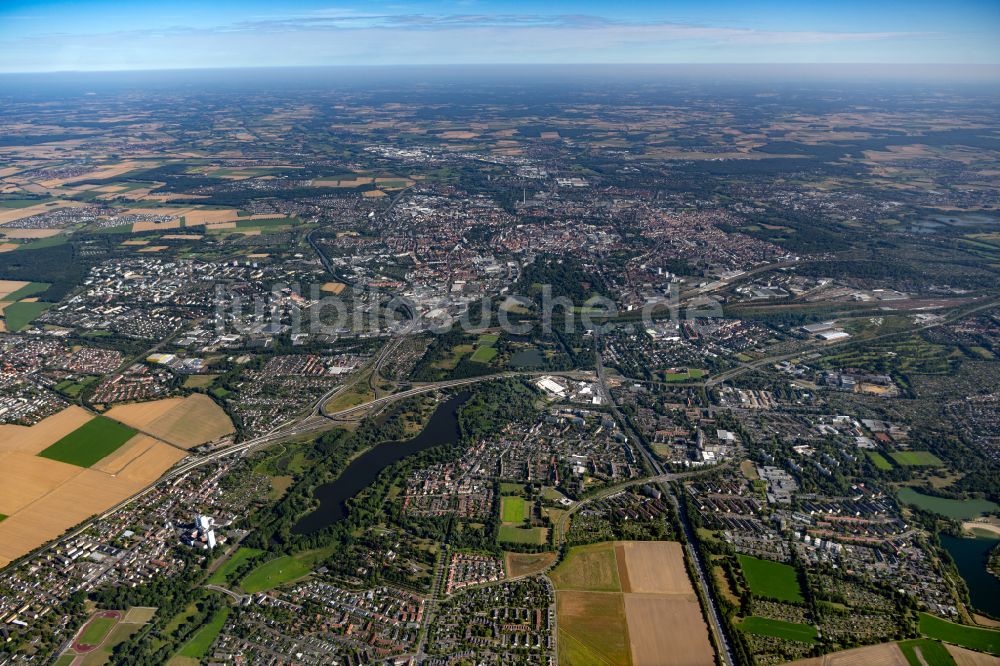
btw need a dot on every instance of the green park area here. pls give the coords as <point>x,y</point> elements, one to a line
<point>221,575</point>
<point>202,640</point>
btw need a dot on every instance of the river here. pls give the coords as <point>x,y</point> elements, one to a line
<point>970,557</point>
<point>442,428</point>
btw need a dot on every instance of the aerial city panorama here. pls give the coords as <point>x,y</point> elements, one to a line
<point>491,332</point>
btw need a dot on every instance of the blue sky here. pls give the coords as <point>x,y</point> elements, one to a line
<point>57,35</point>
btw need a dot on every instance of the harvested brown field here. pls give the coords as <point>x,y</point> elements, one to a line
<point>139,414</point>
<point>136,242</point>
<point>333,287</point>
<point>182,237</point>
<point>654,567</point>
<point>965,657</point>
<point>154,248</point>
<point>125,454</point>
<point>684,644</point>
<point>883,654</point>
<point>43,498</point>
<point>10,286</point>
<point>8,247</point>
<point>32,439</point>
<point>26,477</point>
<point>656,593</point>
<point>153,462</point>
<point>29,233</point>
<point>175,223</point>
<point>373,193</point>
<point>525,564</point>
<point>355,182</point>
<point>184,422</point>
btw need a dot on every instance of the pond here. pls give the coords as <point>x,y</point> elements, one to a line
<point>442,428</point>
<point>527,358</point>
<point>971,556</point>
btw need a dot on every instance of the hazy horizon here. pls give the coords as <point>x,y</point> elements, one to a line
<point>104,35</point>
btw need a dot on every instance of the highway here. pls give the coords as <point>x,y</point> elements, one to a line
<point>662,478</point>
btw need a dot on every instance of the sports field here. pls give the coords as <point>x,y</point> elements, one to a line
<point>513,510</point>
<point>765,626</point>
<point>96,630</point>
<point>773,580</point>
<point>879,461</point>
<point>90,442</point>
<point>974,638</point>
<point>916,459</point>
<point>534,535</point>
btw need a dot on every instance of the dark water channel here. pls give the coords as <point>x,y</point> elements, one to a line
<point>442,428</point>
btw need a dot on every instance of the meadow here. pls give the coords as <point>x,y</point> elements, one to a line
<point>771,579</point>
<point>974,638</point>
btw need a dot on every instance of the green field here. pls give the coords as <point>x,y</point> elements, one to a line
<point>533,535</point>
<point>242,554</point>
<point>592,567</point>
<point>771,579</point>
<point>933,653</point>
<point>957,509</point>
<point>689,373</point>
<point>96,630</point>
<point>282,570</point>
<point>28,290</point>
<point>269,223</point>
<point>513,509</point>
<point>879,461</point>
<point>483,355</point>
<point>592,629</point>
<point>18,315</point>
<point>90,442</point>
<point>974,638</point>
<point>202,640</point>
<point>916,458</point>
<point>65,660</point>
<point>765,626</point>
<point>2,517</point>
<point>273,573</point>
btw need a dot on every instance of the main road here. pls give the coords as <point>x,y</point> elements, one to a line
<point>661,478</point>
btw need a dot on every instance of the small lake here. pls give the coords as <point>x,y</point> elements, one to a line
<point>957,509</point>
<point>527,358</point>
<point>442,428</point>
<point>971,556</point>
